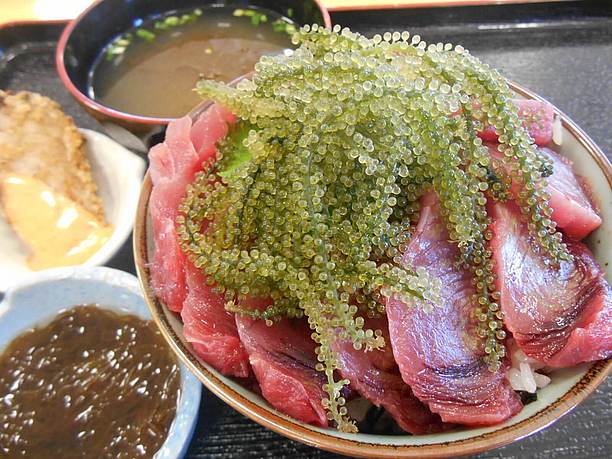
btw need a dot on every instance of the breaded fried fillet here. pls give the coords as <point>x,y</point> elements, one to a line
<point>38,140</point>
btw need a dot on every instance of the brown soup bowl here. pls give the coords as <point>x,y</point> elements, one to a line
<point>85,37</point>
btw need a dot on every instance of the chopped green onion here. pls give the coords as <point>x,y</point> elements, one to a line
<point>145,34</point>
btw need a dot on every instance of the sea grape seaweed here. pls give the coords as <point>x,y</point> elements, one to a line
<point>345,135</point>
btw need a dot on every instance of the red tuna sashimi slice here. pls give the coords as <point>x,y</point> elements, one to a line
<point>572,209</point>
<point>173,166</point>
<point>168,265</point>
<point>283,359</point>
<point>537,117</point>
<point>210,328</point>
<point>436,352</point>
<point>375,376</point>
<point>177,283</point>
<point>205,134</point>
<point>176,156</point>
<point>559,316</point>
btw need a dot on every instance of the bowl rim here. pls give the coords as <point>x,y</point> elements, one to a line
<point>97,107</point>
<point>269,418</point>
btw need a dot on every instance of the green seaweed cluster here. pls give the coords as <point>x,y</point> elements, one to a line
<point>336,144</point>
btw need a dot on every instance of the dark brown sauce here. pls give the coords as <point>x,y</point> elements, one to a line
<point>92,383</point>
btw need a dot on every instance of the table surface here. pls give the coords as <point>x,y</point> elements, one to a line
<point>563,54</point>
<point>21,10</point>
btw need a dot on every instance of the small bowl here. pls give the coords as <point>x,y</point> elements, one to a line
<point>569,386</point>
<point>84,39</point>
<point>38,300</point>
<point>118,174</point>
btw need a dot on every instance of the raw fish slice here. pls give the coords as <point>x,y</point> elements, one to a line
<point>283,359</point>
<point>210,328</point>
<point>208,129</point>
<point>173,165</point>
<point>537,117</point>
<point>168,260</point>
<point>436,352</point>
<point>375,376</point>
<point>167,271</point>
<point>590,340</point>
<point>559,316</point>
<point>572,209</point>
<point>176,156</point>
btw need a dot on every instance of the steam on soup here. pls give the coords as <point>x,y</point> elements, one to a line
<point>152,69</point>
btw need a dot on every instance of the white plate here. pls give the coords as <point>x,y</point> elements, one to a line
<point>118,174</point>
<point>36,301</point>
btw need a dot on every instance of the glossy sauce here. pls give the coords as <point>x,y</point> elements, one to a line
<point>58,231</point>
<point>156,77</point>
<point>92,383</point>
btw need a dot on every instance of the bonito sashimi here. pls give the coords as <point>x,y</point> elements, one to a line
<point>572,209</point>
<point>283,359</point>
<point>310,205</point>
<point>173,166</point>
<point>375,376</point>
<point>436,351</point>
<point>560,316</point>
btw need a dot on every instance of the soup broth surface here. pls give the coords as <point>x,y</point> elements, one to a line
<point>155,75</point>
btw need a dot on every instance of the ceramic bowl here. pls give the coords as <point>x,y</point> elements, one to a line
<point>118,175</point>
<point>36,301</point>
<point>84,38</point>
<point>569,386</point>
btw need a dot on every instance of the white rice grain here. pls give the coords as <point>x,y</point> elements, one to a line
<point>527,378</point>
<point>522,374</point>
<point>514,377</point>
<point>541,380</point>
<point>557,131</point>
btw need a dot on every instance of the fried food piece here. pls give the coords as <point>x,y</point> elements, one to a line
<point>38,140</point>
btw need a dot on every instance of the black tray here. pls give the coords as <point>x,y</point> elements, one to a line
<point>27,61</point>
<point>566,57</point>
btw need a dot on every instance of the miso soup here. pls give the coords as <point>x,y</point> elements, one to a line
<point>152,69</point>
